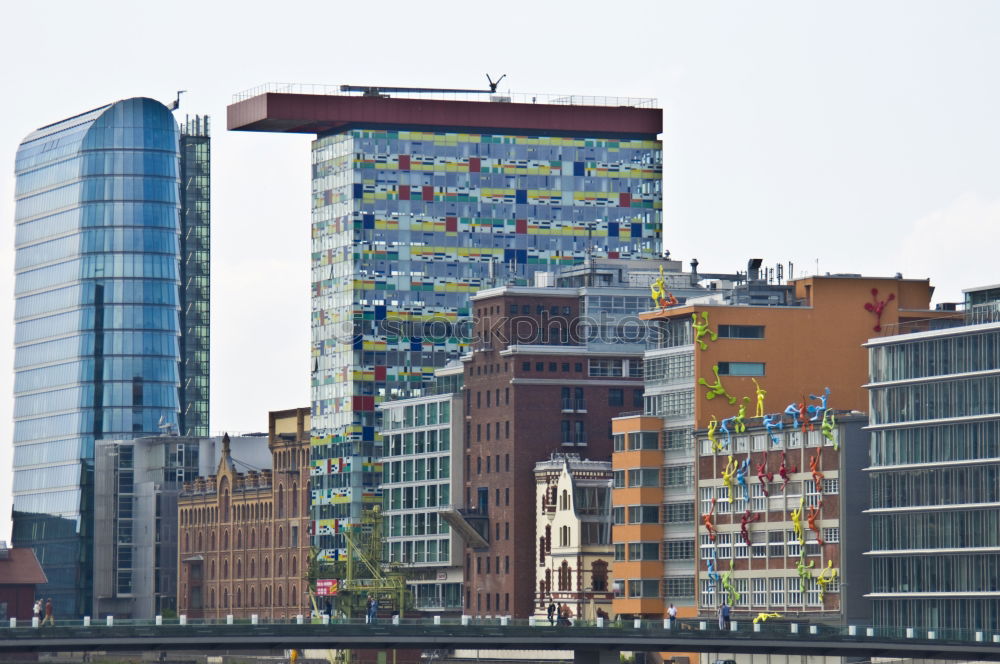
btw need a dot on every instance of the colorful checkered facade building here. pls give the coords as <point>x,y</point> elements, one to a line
<point>410,220</point>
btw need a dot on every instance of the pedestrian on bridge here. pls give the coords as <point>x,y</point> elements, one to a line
<point>552,613</point>
<point>36,612</point>
<point>48,613</point>
<point>723,616</point>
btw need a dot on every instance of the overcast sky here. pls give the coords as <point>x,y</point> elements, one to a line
<point>862,135</point>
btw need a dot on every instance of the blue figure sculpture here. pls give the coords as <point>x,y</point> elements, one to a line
<point>741,477</point>
<point>772,422</point>
<point>792,410</point>
<point>817,410</point>
<point>713,577</point>
<point>724,428</point>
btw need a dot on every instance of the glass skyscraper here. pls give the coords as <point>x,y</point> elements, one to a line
<point>417,205</point>
<point>97,323</point>
<point>935,476</point>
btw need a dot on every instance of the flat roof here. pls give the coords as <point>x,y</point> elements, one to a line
<point>325,113</point>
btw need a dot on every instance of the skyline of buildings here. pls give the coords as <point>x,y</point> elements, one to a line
<point>98,317</point>
<point>432,243</point>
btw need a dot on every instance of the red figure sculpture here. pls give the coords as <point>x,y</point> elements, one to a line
<point>804,418</point>
<point>744,521</point>
<point>764,476</point>
<point>877,306</point>
<point>811,519</point>
<point>817,475</point>
<point>783,471</point>
<point>707,520</point>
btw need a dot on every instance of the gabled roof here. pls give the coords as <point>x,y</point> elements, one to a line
<point>21,568</point>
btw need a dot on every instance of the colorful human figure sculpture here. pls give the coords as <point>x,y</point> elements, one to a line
<point>739,425</point>
<point>741,477</point>
<point>827,426</point>
<point>724,428</point>
<point>713,424</point>
<point>728,473</point>
<point>727,585</point>
<point>783,471</point>
<point>811,521</point>
<point>707,520</point>
<point>764,476</point>
<point>716,389</point>
<point>701,329</point>
<point>760,393</point>
<point>877,306</point>
<point>747,518</point>
<point>797,525</point>
<point>762,617</point>
<point>714,580</point>
<point>803,571</point>
<point>803,418</point>
<point>817,410</point>
<point>817,474</point>
<point>825,578</point>
<point>659,294</point>
<point>792,410</point>
<point>772,422</point>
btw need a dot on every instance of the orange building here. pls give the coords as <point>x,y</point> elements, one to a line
<point>243,537</point>
<point>749,350</point>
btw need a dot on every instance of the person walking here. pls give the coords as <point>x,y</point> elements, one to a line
<point>48,613</point>
<point>373,612</point>
<point>552,613</point>
<point>672,615</point>
<point>368,611</point>
<point>724,616</point>
<point>36,612</point>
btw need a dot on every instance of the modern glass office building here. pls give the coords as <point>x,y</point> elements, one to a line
<point>420,203</point>
<point>96,318</point>
<point>935,478</point>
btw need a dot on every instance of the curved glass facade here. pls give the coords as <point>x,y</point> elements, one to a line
<point>96,318</point>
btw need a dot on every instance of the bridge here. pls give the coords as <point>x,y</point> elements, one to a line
<point>591,642</point>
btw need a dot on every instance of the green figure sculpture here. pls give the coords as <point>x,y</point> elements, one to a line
<point>701,329</point>
<point>739,426</point>
<point>727,585</point>
<point>826,427</point>
<point>803,571</point>
<point>716,389</point>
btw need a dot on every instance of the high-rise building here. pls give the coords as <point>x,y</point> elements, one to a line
<point>723,365</point>
<point>97,328</point>
<point>418,204</point>
<point>934,469</point>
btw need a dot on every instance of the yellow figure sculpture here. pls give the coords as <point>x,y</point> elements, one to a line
<point>727,585</point>
<point>729,475</point>
<point>824,580</point>
<point>712,425</point>
<point>762,617</point>
<point>658,291</point>
<point>761,393</point>
<point>701,329</point>
<point>797,522</point>
<point>826,427</point>
<point>739,426</point>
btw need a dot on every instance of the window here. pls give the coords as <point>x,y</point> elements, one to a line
<point>611,368</point>
<point>677,476</point>
<point>643,588</point>
<point>677,439</point>
<point>637,398</point>
<point>777,591</point>
<point>681,549</point>
<point>776,544</point>
<point>679,512</point>
<point>679,587</point>
<point>616,397</point>
<point>644,514</point>
<point>831,535</point>
<point>618,479</point>
<point>525,366</point>
<point>759,596</point>
<point>644,551</point>
<point>619,552</point>
<point>741,331</point>
<point>831,486</point>
<point>619,441</point>
<point>741,368</point>
<point>644,440</point>
<point>758,540</point>
<point>618,515</point>
<point>644,477</point>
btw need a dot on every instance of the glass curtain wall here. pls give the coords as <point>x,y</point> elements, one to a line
<point>96,319</point>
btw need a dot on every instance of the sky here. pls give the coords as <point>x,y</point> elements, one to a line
<point>853,136</point>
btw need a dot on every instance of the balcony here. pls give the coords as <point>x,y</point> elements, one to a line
<point>574,405</point>
<point>470,524</point>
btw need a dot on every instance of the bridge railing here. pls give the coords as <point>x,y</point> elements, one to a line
<point>783,628</point>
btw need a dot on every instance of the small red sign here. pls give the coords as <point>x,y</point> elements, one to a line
<point>325,587</point>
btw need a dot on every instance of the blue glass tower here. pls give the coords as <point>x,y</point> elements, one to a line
<point>96,318</point>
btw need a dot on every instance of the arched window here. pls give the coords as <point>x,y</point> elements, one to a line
<point>599,575</point>
<point>211,573</point>
<point>253,539</point>
<point>211,599</point>
<point>281,596</point>
<point>295,566</point>
<point>224,491</point>
<point>267,567</point>
<point>267,596</point>
<point>281,501</point>
<point>548,581</point>
<point>293,499</point>
<point>253,568</point>
<point>200,548</point>
<point>225,569</point>
<point>225,540</point>
<point>187,543</point>
<point>267,538</point>
<point>225,598</point>
<point>565,500</point>
<point>239,539</point>
<point>541,550</point>
<point>239,569</point>
<point>281,566</point>
<point>253,597</point>
<point>548,539</point>
<point>292,597</point>
<point>281,537</point>
<point>564,577</point>
<point>239,598</point>
<point>212,540</point>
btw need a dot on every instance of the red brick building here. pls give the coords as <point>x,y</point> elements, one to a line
<point>244,541</point>
<point>19,574</point>
<point>536,383</point>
